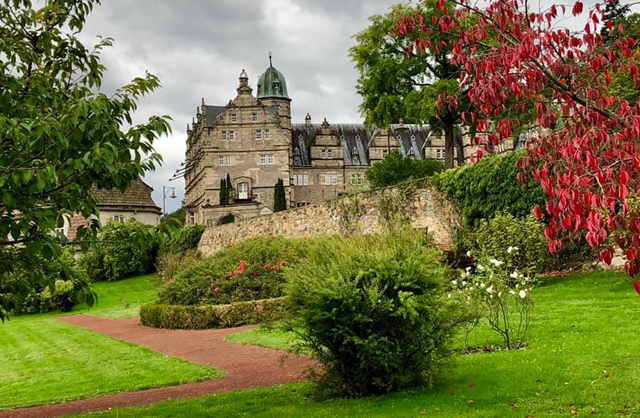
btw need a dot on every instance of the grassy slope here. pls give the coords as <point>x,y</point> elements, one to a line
<point>584,352</point>
<point>46,361</point>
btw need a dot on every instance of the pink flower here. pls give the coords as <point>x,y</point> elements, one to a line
<point>283,263</point>
<point>216,290</point>
<point>236,273</point>
<point>241,266</point>
<point>229,274</point>
<point>266,266</point>
<point>256,273</point>
<point>213,284</point>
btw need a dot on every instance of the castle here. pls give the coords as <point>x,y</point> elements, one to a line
<point>253,142</point>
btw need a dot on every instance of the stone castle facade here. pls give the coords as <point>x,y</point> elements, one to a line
<point>253,141</point>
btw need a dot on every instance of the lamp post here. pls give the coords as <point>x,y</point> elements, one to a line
<point>166,189</point>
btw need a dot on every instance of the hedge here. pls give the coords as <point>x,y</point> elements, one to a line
<point>213,316</point>
<point>490,188</point>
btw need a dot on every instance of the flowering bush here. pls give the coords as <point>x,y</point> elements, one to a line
<point>250,270</point>
<point>504,296</point>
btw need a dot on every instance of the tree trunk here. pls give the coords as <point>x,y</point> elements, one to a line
<point>448,143</point>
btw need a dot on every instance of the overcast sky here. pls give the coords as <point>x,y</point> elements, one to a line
<point>197,48</point>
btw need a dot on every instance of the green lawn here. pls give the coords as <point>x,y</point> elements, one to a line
<point>583,355</point>
<point>43,360</point>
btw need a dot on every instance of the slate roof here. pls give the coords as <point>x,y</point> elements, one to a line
<point>212,113</point>
<point>136,196</point>
<point>355,139</point>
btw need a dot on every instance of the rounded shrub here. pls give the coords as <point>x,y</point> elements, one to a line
<point>181,241</point>
<point>373,311</point>
<point>250,270</point>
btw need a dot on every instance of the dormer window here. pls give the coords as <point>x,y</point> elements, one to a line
<point>330,153</point>
<point>234,117</point>
<point>355,155</point>
<point>297,160</point>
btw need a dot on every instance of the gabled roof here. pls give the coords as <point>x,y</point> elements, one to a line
<point>212,113</point>
<point>412,140</point>
<point>137,196</point>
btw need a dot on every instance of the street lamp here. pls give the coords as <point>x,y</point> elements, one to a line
<point>166,189</point>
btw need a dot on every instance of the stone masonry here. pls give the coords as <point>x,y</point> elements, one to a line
<point>424,208</point>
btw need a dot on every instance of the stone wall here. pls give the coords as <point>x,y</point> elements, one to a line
<point>365,213</point>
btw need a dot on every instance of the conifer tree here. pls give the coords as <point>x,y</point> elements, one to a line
<point>229,189</point>
<point>279,198</point>
<point>224,194</point>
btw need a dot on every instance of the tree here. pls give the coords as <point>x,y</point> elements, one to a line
<point>614,11</point>
<point>229,189</point>
<point>224,193</point>
<point>279,197</point>
<point>395,169</point>
<point>587,155</point>
<point>59,135</point>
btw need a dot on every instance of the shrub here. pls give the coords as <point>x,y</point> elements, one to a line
<point>68,281</point>
<point>250,270</point>
<point>183,240</point>
<point>170,264</point>
<point>489,188</point>
<point>126,250</point>
<point>395,169</point>
<point>373,311</point>
<point>504,295</point>
<point>520,243</point>
<point>213,316</point>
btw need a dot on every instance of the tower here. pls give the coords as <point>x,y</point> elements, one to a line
<point>272,91</point>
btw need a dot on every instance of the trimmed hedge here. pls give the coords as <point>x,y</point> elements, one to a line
<point>213,316</point>
<point>490,188</point>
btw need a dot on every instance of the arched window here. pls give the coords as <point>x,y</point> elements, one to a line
<point>243,191</point>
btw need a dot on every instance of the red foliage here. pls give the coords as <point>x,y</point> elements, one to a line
<point>586,156</point>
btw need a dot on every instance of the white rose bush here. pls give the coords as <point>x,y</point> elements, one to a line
<point>502,294</point>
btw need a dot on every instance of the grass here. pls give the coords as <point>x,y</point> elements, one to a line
<point>583,356</point>
<point>47,361</point>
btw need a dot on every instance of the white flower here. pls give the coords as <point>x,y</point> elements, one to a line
<point>496,262</point>
<point>482,285</point>
<point>522,294</point>
<point>514,275</point>
<point>464,283</point>
<point>454,282</point>
<point>512,249</point>
<point>499,294</point>
<point>513,292</point>
<point>480,267</point>
<point>490,289</point>
<point>449,295</point>
<point>468,269</point>
<point>469,253</point>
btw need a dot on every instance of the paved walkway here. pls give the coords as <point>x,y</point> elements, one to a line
<point>246,366</point>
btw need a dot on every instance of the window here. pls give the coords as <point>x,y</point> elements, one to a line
<point>334,179</point>
<point>323,154</point>
<point>192,219</point>
<point>266,159</point>
<point>232,136</point>
<point>234,117</point>
<point>357,179</point>
<point>327,179</point>
<point>385,152</point>
<point>224,160</point>
<point>330,153</point>
<point>267,134</point>
<point>278,109</point>
<point>331,179</point>
<point>254,117</point>
<point>117,218</point>
<point>300,180</point>
<point>243,191</point>
<point>258,133</point>
<point>209,222</point>
<point>224,135</point>
<point>439,154</point>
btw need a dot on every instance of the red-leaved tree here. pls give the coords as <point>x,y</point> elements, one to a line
<point>587,156</point>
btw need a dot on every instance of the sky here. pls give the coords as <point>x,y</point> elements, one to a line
<point>199,47</point>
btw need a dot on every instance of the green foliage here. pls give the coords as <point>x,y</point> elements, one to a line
<point>125,250</point>
<point>519,243</point>
<point>179,215</point>
<point>213,316</point>
<point>182,240</point>
<point>279,197</point>
<point>170,264</point>
<point>250,270</point>
<point>66,290</point>
<point>490,187</point>
<point>395,169</point>
<point>502,294</point>
<point>59,134</point>
<point>373,311</point>
<point>224,193</point>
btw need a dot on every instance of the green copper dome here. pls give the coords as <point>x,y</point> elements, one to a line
<point>272,85</point>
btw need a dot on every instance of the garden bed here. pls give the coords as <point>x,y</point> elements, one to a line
<point>213,316</point>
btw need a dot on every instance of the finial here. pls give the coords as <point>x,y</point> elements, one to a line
<point>270,57</point>
<point>203,102</point>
